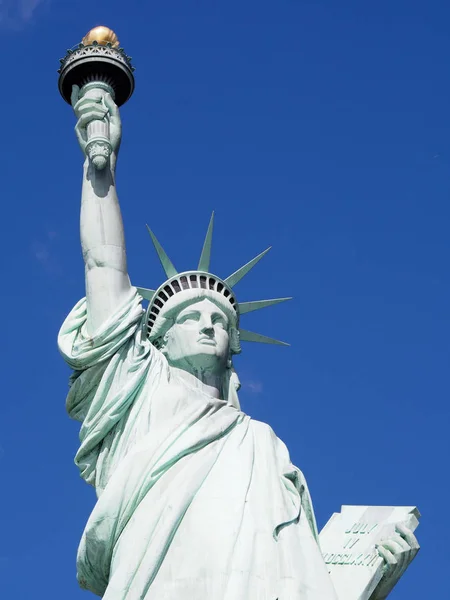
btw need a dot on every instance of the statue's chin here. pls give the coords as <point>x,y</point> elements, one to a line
<point>202,360</point>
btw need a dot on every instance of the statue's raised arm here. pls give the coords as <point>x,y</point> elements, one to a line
<point>101,227</point>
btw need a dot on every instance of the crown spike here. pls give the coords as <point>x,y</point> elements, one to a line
<point>246,307</point>
<point>146,293</point>
<point>165,260</point>
<point>233,279</point>
<point>250,336</point>
<point>205,257</point>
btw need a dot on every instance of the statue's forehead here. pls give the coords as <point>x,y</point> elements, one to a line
<point>202,305</point>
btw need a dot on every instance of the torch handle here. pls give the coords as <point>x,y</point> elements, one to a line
<point>98,145</point>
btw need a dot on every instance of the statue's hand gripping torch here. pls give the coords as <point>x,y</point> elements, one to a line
<point>97,73</point>
<point>93,126</point>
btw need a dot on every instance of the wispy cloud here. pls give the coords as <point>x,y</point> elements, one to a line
<point>28,7</point>
<point>44,252</point>
<point>16,13</point>
<point>255,387</point>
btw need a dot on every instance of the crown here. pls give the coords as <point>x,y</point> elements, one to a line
<point>200,279</point>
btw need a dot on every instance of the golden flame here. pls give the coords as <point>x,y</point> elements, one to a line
<point>102,35</point>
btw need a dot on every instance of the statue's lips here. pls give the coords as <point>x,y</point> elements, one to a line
<point>207,341</point>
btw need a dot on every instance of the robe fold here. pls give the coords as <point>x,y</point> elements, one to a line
<point>195,500</point>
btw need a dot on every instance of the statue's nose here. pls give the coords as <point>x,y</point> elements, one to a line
<point>206,325</point>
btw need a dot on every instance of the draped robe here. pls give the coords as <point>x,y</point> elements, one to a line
<point>195,500</point>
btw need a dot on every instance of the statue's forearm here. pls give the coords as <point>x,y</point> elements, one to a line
<point>103,245</point>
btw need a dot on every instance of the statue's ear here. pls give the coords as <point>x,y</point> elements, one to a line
<point>235,345</point>
<point>162,341</point>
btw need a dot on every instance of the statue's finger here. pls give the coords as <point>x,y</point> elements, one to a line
<point>85,104</point>
<point>387,555</point>
<point>403,557</point>
<point>409,536</point>
<point>81,141</point>
<point>74,95</point>
<point>398,539</point>
<point>390,568</point>
<point>401,550</point>
<point>81,135</point>
<point>391,545</point>
<point>110,105</point>
<point>93,115</point>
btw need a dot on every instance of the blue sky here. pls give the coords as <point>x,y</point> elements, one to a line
<point>322,128</point>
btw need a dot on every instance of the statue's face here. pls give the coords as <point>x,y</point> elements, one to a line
<point>199,338</point>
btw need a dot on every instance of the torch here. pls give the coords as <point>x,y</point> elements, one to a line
<point>97,65</point>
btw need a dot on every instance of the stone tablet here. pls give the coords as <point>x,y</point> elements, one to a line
<point>348,545</point>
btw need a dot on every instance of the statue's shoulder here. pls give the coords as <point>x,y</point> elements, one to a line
<point>264,430</point>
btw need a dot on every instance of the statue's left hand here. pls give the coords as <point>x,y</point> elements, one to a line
<point>397,552</point>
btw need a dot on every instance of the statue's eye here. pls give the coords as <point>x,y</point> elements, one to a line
<point>218,320</point>
<point>188,318</point>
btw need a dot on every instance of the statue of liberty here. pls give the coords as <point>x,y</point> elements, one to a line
<point>195,499</point>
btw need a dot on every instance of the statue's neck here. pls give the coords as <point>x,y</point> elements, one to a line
<point>208,383</point>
